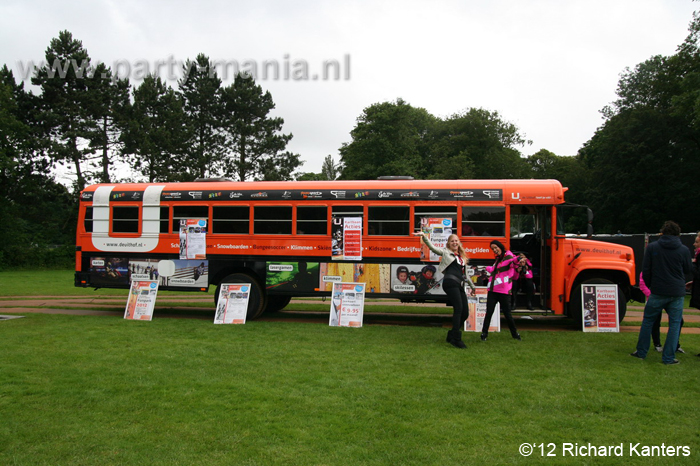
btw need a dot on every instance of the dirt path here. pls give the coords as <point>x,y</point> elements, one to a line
<point>167,307</point>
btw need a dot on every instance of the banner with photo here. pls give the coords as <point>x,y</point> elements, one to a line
<point>232,306</point>
<point>437,230</point>
<point>477,313</point>
<point>600,308</point>
<point>346,238</point>
<point>142,300</point>
<point>193,238</point>
<point>347,305</point>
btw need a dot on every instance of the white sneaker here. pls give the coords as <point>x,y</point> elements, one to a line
<point>680,350</point>
<point>659,348</point>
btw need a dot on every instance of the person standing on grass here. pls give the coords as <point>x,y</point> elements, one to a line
<point>695,284</point>
<point>452,265</point>
<point>666,263</point>
<point>502,272</point>
<point>656,328</point>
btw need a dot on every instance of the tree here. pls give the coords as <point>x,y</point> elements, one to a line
<point>256,146</point>
<point>200,90</point>
<point>109,105</point>
<point>330,170</point>
<point>155,133</point>
<point>390,138</point>
<point>477,144</point>
<point>643,161</point>
<point>35,211</point>
<point>65,102</point>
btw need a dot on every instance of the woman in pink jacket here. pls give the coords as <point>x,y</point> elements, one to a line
<point>502,272</point>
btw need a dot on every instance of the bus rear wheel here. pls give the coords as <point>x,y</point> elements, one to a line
<point>257,299</point>
<point>576,305</point>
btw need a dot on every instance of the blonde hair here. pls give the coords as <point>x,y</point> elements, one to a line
<point>460,249</point>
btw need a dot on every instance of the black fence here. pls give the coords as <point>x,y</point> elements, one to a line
<point>638,244</point>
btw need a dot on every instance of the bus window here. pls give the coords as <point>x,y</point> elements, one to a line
<point>348,211</point>
<point>187,212</point>
<point>88,220</point>
<point>389,221</point>
<point>230,220</point>
<point>434,211</point>
<point>125,219</point>
<point>273,220</point>
<point>312,220</point>
<point>164,219</point>
<point>484,221</point>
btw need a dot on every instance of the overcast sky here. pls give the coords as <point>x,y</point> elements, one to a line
<point>548,66</point>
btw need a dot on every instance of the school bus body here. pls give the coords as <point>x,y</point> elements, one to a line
<point>260,231</point>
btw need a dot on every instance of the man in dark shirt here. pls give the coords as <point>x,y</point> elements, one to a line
<point>666,263</point>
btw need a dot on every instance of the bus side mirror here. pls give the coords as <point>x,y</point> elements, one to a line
<point>589,228</point>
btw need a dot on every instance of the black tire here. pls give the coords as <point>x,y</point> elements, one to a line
<point>576,306</point>
<point>277,303</point>
<point>257,299</point>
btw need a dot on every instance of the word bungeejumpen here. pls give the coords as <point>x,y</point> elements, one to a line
<point>587,449</point>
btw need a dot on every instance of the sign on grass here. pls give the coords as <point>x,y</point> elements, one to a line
<point>347,305</point>
<point>232,306</point>
<point>599,308</point>
<point>142,300</point>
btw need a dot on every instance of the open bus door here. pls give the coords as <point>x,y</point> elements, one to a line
<point>529,227</point>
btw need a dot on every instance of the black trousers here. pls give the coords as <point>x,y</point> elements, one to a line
<point>458,298</point>
<point>493,298</point>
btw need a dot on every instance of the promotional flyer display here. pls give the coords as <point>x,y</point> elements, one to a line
<point>600,308</point>
<point>142,300</point>
<point>232,306</point>
<point>477,313</point>
<point>347,305</point>
<point>193,238</point>
<point>346,241</point>
<point>437,230</point>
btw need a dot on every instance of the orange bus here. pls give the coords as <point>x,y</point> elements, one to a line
<point>296,238</point>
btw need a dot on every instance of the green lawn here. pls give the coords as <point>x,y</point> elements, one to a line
<point>99,390</point>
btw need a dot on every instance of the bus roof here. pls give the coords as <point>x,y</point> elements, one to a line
<point>509,191</point>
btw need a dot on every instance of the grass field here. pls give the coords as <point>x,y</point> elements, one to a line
<point>99,390</point>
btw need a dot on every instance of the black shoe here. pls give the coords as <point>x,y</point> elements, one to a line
<point>636,355</point>
<point>675,361</point>
<point>454,338</point>
<point>517,337</point>
<point>484,336</point>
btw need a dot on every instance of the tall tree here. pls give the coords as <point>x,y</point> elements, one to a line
<point>65,102</point>
<point>256,144</point>
<point>200,90</point>
<point>643,161</point>
<point>155,135</point>
<point>390,138</point>
<point>330,169</point>
<point>109,105</point>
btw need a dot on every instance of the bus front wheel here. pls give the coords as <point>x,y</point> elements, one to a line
<point>277,303</point>
<point>257,299</point>
<point>576,304</point>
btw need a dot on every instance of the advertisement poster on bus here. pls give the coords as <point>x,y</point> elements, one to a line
<point>292,276</point>
<point>347,305</point>
<point>346,239</point>
<point>193,238</point>
<point>477,313</point>
<point>142,300</point>
<point>600,308</point>
<point>232,306</point>
<point>437,230</point>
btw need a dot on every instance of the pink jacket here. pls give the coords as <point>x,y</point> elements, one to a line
<point>502,273</point>
<point>643,286</point>
<point>527,273</point>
